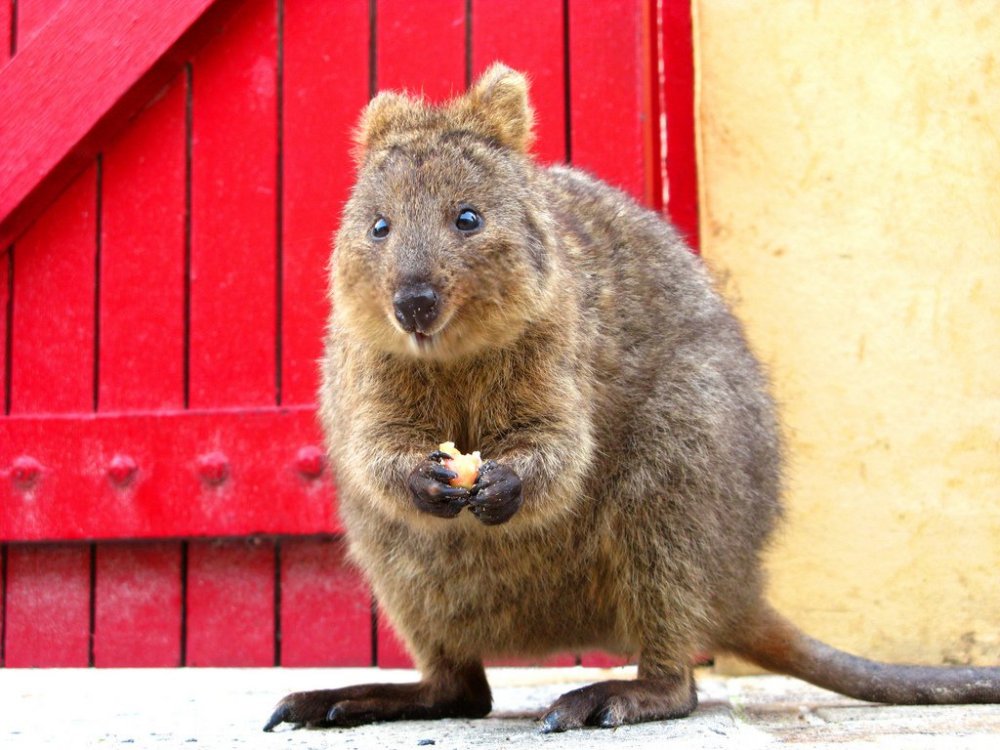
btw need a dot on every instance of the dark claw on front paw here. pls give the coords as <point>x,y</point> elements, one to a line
<point>496,495</point>
<point>439,456</point>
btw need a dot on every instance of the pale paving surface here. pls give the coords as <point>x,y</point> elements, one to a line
<point>225,708</point>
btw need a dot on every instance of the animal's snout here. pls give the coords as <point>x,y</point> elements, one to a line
<point>416,307</point>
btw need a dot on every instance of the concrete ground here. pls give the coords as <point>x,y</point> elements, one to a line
<point>226,708</point>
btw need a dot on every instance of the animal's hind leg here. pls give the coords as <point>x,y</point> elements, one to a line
<point>616,702</point>
<point>446,691</point>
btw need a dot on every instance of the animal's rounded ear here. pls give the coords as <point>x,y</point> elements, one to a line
<point>499,103</point>
<point>386,112</point>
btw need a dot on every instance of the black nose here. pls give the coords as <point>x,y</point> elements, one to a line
<point>416,307</point>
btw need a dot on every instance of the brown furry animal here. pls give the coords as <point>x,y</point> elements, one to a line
<point>545,319</point>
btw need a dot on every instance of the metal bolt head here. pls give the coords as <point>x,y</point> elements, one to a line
<point>213,467</point>
<point>310,461</point>
<point>25,471</point>
<point>122,469</point>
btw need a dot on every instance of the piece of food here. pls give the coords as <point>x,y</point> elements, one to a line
<point>466,465</point>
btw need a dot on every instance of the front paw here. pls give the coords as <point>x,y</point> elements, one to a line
<point>431,491</point>
<point>496,496</point>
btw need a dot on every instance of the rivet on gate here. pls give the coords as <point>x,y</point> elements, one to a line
<point>310,461</point>
<point>25,471</point>
<point>122,469</point>
<point>213,467</point>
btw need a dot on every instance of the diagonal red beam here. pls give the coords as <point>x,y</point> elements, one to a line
<point>91,67</point>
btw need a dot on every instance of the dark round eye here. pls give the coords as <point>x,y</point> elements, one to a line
<point>468,220</point>
<point>380,229</point>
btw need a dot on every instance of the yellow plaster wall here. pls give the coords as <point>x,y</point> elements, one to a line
<point>850,163</point>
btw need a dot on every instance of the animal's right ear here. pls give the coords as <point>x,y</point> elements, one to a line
<point>388,111</point>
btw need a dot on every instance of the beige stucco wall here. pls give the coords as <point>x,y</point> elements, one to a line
<point>850,162</point>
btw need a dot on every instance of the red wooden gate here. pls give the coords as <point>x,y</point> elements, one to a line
<point>171,173</point>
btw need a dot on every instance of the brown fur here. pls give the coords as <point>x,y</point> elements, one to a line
<point>582,346</point>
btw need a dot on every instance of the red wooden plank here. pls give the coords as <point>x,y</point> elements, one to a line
<point>325,88</point>
<point>230,604</point>
<point>528,36</point>
<point>326,612</point>
<point>264,487</point>
<point>138,592</point>
<point>137,619</point>
<point>233,243</point>
<point>421,47</point>
<point>6,286</point>
<point>603,660</point>
<point>608,104</point>
<point>142,261</point>
<point>392,653</point>
<point>53,321</point>
<point>66,90</point>
<point>48,606</point>
<point>6,32</point>
<point>678,95</point>
<point>32,15</point>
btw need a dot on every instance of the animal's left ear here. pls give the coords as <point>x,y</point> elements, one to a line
<point>498,103</point>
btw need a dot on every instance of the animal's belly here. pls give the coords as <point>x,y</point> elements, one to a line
<point>477,594</point>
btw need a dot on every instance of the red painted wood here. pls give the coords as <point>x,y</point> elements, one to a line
<point>326,612</point>
<point>421,47</point>
<point>230,604</point>
<point>263,490</point>
<point>142,261</point>
<point>53,321</point>
<point>6,31</point>
<point>67,90</point>
<point>608,106</point>
<point>233,244</point>
<point>6,281</point>
<point>325,89</point>
<point>678,95</point>
<point>528,36</point>
<point>48,606</point>
<point>603,660</point>
<point>141,352</point>
<point>137,605</point>
<point>32,15</point>
<point>391,653</point>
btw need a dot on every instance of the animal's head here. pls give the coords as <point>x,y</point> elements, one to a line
<point>443,247</point>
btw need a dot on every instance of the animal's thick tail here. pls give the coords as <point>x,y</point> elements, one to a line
<point>774,643</point>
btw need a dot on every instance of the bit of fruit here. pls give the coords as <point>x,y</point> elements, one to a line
<point>466,465</point>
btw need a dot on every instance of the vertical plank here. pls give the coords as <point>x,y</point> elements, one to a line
<point>233,236</point>
<point>326,615</point>
<point>7,39</point>
<point>230,607</point>
<point>325,88</point>
<point>142,261</point>
<point>420,47</point>
<point>607,91</point>
<point>6,300</point>
<point>528,36</point>
<point>138,603</point>
<point>48,606</point>
<point>138,586</point>
<point>53,319</point>
<point>678,105</point>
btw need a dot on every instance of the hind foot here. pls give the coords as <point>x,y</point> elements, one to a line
<point>617,702</point>
<point>461,693</point>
